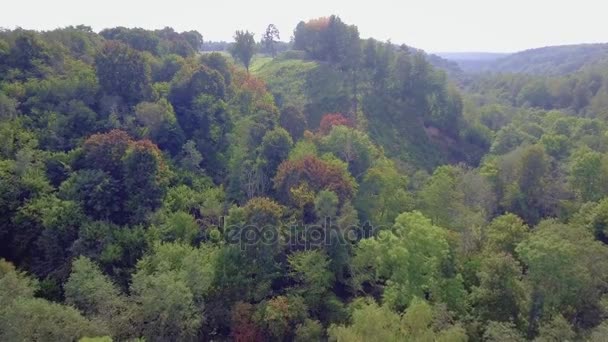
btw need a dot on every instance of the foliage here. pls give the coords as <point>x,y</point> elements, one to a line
<point>349,189</point>
<point>243,48</point>
<point>318,174</point>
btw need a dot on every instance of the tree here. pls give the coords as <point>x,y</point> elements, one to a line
<point>442,200</point>
<point>190,158</point>
<point>558,329</point>
<point>326,205</point>
<point>29,52</point>
<point>274,150</point>
<point>565,266</point>
<point>383,193</point>
<point>159,124</point>
<point>94,294</point>
<point>144,179</point>
<point>500,296</point>
<point>589,175</point>
<point>25,318</point>
<point>14,284</point>
<point>329,121</point>
<point>311,270</point>
<point>169,288</point>
<point>317,173</point>
<point>269,39</point>
<point>502,332</point>
<point>505,233</point>
<point>279,315</point>
<point>192,82</point>
<point>371,322</point>
<point>35,319</point>
<point>243,327</point>
<point>294,121</point>
<point>96,191</point>
<point>181,227</point>
<point>525,190</point>
<point>353,147</point>
<point>244,47</point>
<point>309,331</point>
<point>166,307</point>
<point>409,258</point>
<point>123,71</point>
<point>105,152</point>
<point>194,266</point>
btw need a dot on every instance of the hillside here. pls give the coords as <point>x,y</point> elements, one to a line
<point>471,56</point>
<point>319,88</point>
<point>551,60</point>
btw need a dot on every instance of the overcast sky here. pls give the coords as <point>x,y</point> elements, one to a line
<point>433,25</point>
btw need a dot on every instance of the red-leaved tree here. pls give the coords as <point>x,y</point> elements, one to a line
<point>328,121</point>
<point>317,174</point>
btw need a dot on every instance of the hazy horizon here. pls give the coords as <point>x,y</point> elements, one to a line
<point>433,25</point>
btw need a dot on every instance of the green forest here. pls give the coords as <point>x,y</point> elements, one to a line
<point>155,186</point>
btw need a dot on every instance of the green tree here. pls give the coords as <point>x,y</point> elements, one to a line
<point>158,123</point>
<point>326,204</point>
<point>409,257</point>
<point>274,149</point>
<point>124,72</point>
<point>505,232</point>
<point>309,331</point>
<point>98,298</point>
<point>25,318</point>
<point>371,322</point>
<point>166,307</point>
<point>501,295</point>
<point>564,265</point>
<point>558,329</point>
<point>589,175</point>
<point>311,270</point>
<point>502,331</point>
<point>180,227</point>
<point>190,158</point>
<point>144,179</point>
<point>243,48</point>
<point>383,193</point>
<point>353,147</point>
<point>269,39</point>
<point>169,289</point>
<point>294,121</point>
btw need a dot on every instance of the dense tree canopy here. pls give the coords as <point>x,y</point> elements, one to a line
<point>342,190</point>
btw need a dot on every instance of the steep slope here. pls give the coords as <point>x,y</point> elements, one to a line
<point>410,128</point>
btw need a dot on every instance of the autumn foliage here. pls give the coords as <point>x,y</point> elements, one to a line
<point>328,121</point>
<point>244,328</point>
<point>318,174</point>
<point>318,24</point>
<point>263,211</point>
<point>104,151</point>
<point>253,92</point>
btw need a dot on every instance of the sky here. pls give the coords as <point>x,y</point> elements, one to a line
<point>432,25</point>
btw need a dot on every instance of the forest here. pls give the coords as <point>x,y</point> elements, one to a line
<point>155,186</point>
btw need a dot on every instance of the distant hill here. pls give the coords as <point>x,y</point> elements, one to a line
<point>472,62</point>
<point>472,56</point>
<point>552,60</point>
